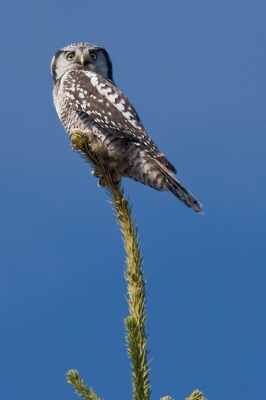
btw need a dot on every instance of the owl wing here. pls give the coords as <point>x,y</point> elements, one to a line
<point>90,93</point>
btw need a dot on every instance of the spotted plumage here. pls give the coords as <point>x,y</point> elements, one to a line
<point>86,98</point>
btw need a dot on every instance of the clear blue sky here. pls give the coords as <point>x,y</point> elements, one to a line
<point>195,72</point>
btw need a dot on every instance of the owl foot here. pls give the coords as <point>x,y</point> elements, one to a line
<point>80,132</point>
<point>96,173</point>
<point>94,142</point>
<point>116,177</point>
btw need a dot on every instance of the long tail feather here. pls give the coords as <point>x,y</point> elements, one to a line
<point>184,195</point>
<point>180,191</point>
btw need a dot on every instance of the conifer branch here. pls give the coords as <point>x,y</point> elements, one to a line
<point>196,395</point>
<point>81,389</point>
<point>166,398</point>
<point>136,337</point>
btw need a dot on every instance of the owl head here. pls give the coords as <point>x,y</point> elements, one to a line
<point>85,56</point>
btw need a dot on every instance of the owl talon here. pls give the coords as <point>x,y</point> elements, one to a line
<point>116,177</point>
<point>88,133</point>
<point>82,133</point>
<point>95,173</point>
<point>101,182</point>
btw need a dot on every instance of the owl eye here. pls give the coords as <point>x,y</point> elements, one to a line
<point>93,55</point>
<point>70,56</point>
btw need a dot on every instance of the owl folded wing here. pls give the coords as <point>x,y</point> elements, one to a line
<point>90,93</point>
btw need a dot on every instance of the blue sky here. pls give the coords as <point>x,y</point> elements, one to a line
<point>195,72</point>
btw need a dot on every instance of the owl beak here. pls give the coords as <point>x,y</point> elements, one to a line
<point>82,59</point>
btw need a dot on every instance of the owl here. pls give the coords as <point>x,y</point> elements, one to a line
<point>87,99</point>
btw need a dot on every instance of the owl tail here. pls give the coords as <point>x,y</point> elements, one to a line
<point>180,191</point>
<point>184,195</point>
